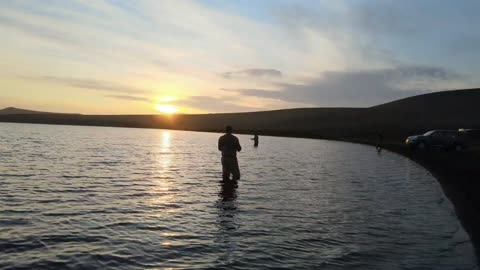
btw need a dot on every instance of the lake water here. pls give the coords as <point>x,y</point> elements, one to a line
<point>115,198</point>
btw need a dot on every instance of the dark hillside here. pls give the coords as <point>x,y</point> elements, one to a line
<point>442,110</point>
<point>13,110</point>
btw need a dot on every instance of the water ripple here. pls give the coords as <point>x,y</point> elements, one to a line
<point>113,198</point>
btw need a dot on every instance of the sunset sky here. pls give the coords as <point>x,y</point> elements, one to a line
<point>144,57</point>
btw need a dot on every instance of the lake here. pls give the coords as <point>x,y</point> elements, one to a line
<point>77,197</point>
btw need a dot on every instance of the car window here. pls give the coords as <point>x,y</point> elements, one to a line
<point>453,134</point>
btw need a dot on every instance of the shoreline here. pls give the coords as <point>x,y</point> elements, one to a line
<point>457,172</point>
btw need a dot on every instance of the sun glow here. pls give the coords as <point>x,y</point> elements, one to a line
<point>167,99</point>
<point>166,108</point>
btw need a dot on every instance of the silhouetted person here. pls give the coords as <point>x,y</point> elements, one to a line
<point>255,140</point>
<point>229,145</point>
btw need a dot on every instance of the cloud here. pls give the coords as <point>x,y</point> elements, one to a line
<point>131,98</point>
<point>108,46</point>
<point>389,32</point>
<point>203,103</point>
<point>252,73</point>
<point>213,104</point>
<point>38,31</point>
<point>359,88</point>
<point>88,84</point>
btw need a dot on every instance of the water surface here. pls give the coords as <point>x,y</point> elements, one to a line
<point>116,198</point>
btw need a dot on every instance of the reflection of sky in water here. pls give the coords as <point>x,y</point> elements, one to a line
<point>130,197</point>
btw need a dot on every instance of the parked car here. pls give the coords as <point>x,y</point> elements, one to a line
<point>446,139</point>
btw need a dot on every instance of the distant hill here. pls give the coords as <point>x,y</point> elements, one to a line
<point>13,110</point>
<point>16,111</point>
<point>442,110</point>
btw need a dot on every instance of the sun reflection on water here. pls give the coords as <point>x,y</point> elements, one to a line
<point>165,151</point>
<point>164,190</point>
<point>166,141</point>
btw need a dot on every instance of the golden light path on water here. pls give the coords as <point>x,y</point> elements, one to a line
<point>163,160</point>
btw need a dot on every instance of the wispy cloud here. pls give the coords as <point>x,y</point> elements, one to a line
<point>131,98</point>
<point>253,73</point>
<point>354,53</point>
<point>390,32</point>
<point>202,103</point>
<point>359,88</point>
<point>214,104</point>
<point>88,84</point>
<point>38,31</point>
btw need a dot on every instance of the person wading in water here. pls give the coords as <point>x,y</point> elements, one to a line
<point>229,145</point>
<point>255,140</point>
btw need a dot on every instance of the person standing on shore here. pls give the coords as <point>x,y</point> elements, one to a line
<point>229,145</point>
<point>255,140</point>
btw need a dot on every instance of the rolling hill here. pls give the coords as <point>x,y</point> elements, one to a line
<point>13,110</point>
<point>441,110</point>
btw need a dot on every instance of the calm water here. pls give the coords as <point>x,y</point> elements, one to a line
<point>115,198</point>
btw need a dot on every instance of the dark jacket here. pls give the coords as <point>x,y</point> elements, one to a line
<point>229,145</point>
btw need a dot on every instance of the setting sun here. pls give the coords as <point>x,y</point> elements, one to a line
<point>168,109</point>
<point>167,99</point>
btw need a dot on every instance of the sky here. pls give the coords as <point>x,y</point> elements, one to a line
<point>147,57</point>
